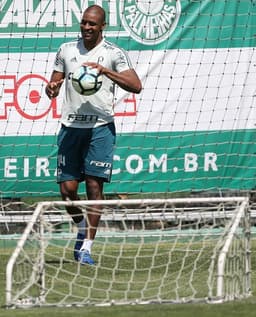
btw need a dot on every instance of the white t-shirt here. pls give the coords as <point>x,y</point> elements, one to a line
<point>89,111</point>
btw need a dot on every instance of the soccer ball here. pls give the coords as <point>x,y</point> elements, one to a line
<point>86,80</point>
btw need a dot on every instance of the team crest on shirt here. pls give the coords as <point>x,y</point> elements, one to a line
<point>150,21</point>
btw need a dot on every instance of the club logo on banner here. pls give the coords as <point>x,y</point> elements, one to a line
<point>150,22</point>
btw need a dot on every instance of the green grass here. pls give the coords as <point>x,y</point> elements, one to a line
<point>104,272</point>
<point>241,309</point>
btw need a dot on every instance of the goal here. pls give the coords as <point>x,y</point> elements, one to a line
<point>146,251</point>
<point>192,128</point>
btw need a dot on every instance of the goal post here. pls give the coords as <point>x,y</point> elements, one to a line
<point>228,243</point>
<point>146,251</point>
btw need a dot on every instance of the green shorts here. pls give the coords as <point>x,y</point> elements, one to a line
<point>84,152</point>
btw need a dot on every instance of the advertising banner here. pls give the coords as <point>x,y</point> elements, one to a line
<point>192,128</point>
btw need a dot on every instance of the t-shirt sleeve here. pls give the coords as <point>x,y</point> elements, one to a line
<point>59,64</point>
<point>121,61</point>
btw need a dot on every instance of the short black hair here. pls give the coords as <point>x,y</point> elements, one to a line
<point>98,8</point>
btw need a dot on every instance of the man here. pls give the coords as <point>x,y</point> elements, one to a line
<point>85,147</point>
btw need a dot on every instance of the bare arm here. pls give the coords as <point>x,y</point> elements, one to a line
<point>52,89</point>
<point>128,79</point>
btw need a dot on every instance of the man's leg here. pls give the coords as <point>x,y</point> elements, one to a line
<point>68,191</point>
<point>94,189</point>
<point>100,150</point>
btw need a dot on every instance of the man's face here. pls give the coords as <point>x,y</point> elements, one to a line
<point>91,27</point>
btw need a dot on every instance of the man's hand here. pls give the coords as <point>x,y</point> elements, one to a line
<point>52,89</point>
<point>99,67</point>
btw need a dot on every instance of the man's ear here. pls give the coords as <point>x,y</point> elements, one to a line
<point>103,26</point>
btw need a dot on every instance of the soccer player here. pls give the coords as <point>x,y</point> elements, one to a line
<point>87,136</point>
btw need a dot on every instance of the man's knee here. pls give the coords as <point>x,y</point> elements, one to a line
<point>94,188</point>
<point>68,190</point>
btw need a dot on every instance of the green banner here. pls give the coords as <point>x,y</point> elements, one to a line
<point>175,24</point>
<point>191,129</point>
<point>165,162</point>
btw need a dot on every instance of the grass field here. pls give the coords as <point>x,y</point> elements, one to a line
<point>236,308</point>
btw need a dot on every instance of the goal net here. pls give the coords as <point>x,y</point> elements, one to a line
<point>146,251</point>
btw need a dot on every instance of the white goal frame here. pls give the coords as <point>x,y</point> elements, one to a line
<point>220,287</point>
